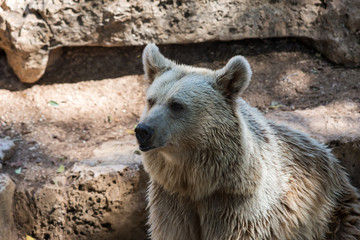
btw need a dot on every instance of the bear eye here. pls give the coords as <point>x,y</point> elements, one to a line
<point>151,102</point>
<point>176,107</point>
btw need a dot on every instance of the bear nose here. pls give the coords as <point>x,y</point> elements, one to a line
<point>143,133</point>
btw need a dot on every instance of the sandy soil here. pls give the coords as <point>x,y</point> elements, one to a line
<point>91,95</point>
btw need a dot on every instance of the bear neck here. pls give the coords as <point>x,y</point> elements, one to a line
<point>229,163</point>
<point>238,171</point>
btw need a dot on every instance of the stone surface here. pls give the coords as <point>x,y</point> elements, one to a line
<point>338,121</point>
<point>7,149</point>
<point>7,226</point>
<point>98,198</point>
<point>337,125</point>
<point>349,155</point>
<point>30,29</point>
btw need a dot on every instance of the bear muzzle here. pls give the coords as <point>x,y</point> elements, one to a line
<point>143,135</point>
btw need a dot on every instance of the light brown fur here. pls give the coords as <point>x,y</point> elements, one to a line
<point>220,170</point>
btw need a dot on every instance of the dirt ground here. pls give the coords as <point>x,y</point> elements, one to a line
<point>91,95</point>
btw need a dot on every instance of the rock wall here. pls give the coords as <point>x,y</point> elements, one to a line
<point>99,198</point>
<point>29,29</point>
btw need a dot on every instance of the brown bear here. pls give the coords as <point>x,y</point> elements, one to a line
<point>220,170</point>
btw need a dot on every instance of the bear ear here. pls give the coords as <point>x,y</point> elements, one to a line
<point>234,78</point>
<point>154,62</point>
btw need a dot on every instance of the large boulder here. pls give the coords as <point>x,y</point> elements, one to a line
<point>98,198</point>
<point>29,29</point>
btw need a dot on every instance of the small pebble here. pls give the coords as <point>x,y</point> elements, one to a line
<point>7,149</point>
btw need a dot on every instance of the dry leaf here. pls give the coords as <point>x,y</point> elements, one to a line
<point>53,103</point>
<point>18,171</point>
<point>130,131</point>
<point>29,238</point>
<point>61,169</point>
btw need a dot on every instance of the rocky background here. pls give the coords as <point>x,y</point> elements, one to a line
<point>69,164</point>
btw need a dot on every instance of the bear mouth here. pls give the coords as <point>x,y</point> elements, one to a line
<point>145,148</point>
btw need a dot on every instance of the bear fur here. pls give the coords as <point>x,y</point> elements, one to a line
<point>220,170</point>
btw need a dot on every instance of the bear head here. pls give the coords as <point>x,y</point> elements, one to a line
<point>189,107</point>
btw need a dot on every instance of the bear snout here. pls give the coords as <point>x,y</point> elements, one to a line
<point>143,135</point>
